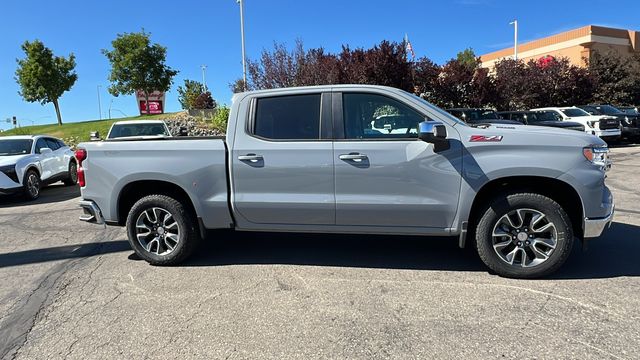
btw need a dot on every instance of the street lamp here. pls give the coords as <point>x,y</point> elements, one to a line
<point>204,82</point>
<point>244,62</point>
<point>515,39</point>
<point>99,105</point>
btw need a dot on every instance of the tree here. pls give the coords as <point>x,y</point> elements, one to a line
<point>44,77</point>
<point>204,101</point>
<point>467,57</point>
<point>188,94</point>
<point>613,77</point>
<point>136,64</point>
<point>425,79</point>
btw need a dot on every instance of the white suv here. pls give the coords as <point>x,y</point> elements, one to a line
<point>29,162</point>
<point>606,127</point>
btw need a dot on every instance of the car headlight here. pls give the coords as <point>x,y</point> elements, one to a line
<point>10,171</point>
<point>598,156</point>
<point>592,123</point>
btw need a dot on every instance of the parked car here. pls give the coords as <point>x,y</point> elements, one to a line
<point>631,110</point>
<point>605,127</point>
<point>29,162</point>
<point>138,129</point>
<point>304,160</point>
<point>630,123</point>
<point>540,118</point>
<point>480,116</point>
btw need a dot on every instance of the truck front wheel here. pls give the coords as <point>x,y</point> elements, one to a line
<point>161,230</point>
<point>524,235</point>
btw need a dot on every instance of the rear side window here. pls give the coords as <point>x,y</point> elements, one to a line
<point>288,117</point>
<point>52,144</point>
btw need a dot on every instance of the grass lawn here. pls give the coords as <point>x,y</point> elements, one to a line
<point>74,132</point>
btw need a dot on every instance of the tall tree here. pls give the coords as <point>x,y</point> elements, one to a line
<point>467,57</point>
<point>44,77</point>
<point>612,76</point>
<point>188,93</point>
<point>136,64</point>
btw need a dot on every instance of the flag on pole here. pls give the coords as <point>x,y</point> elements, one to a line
<point>409,46</point>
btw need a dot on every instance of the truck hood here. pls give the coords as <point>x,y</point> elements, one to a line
<point>529,135</point>
<point>11,159</point>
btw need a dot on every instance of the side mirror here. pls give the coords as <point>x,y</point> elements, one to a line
<point>183,131</point>
<point>94,136</point>
<point>45,151</point>
<point>434,132</point>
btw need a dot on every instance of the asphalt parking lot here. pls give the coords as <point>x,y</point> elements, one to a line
<point>74,290</point>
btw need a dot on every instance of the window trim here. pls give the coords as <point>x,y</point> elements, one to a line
<point>338,117</point>
<point>325,128</point>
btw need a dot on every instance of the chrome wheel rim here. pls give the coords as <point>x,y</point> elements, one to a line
<point>33,185</point>
<point>157,231</point>
<point>524,238</point>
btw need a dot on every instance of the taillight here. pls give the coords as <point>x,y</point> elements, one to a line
<point>81,155</point>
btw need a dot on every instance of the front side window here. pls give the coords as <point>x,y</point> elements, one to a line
<point>295,117</point>
<point>41,143</point>
<point>371,116</point>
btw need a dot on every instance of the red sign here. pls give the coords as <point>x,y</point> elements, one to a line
<point>156,102</point>
<point>155,107</point>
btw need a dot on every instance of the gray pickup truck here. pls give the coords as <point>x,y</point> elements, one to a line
<point>355,159</point>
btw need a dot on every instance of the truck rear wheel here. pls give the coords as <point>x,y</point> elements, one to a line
<point>524,235</point>
<point>161,230</point>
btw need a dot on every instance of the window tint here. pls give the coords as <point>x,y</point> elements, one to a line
<point>371,116</point>
<point>288,117</point>
<point>41,143</point>
<point>52,144</point>
<point>61,143</point>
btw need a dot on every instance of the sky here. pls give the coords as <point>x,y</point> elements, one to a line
<point>208,33</point>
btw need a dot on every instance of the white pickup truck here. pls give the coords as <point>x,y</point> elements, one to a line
<point>606,127</point>
<point>355,159</point>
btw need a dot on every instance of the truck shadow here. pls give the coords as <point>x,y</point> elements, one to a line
<point>612,255</point>
<point>50,194</point>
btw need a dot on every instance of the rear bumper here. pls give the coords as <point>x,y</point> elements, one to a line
<point>92,213</point>
<point>594,227</point>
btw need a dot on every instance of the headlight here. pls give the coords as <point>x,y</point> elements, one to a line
<point>592,123</point>
<point>598,156</point>
<point>10,171</point>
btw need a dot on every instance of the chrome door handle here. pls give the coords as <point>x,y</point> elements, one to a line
<point>250,157</point>
<point>353,157</point>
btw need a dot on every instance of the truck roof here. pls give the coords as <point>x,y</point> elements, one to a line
<point>316,88</point>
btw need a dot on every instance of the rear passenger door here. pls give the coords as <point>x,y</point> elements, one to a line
<point>282,162</point>
<point>58,156</point>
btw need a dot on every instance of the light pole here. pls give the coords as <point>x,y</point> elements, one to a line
<point>244,61</point>
<point>515,39</point>
<point>99,105</point>
<point>204,82</point>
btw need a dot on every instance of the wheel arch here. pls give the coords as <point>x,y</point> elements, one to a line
<point>136,190</point>
<point>561,192</point>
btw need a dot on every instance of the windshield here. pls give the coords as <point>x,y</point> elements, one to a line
<point>574,112</point>
<point>15,147</point>
<point>630,111</point>
<point>609,110</point>
<point>435,108</point>
<point>539,116</point>
<point>128,130</point>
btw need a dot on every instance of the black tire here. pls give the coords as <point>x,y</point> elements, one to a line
<point>73,174</point>
<point>531,206</point>
<point>188,236</point>
<point>31,185</point>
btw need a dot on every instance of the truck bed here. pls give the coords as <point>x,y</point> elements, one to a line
<point>195,164</point>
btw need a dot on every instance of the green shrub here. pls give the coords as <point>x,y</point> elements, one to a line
<point>220,118</point>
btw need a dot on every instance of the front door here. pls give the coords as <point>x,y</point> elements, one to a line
<point>283,163</point>
<point>385,176</point>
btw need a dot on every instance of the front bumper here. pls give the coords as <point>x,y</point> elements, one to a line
<point>609,133</point>
<point>630,131</point>
<point>92,213</point>
<point>594,227</point>
<point>10,191</point>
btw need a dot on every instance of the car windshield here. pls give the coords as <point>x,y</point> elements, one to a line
<point>609,110</point>
<point>630,111</point>
<point>539,116</point>
<point>128,130</point>
<point>15,147</point>
<point>574,112</point>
